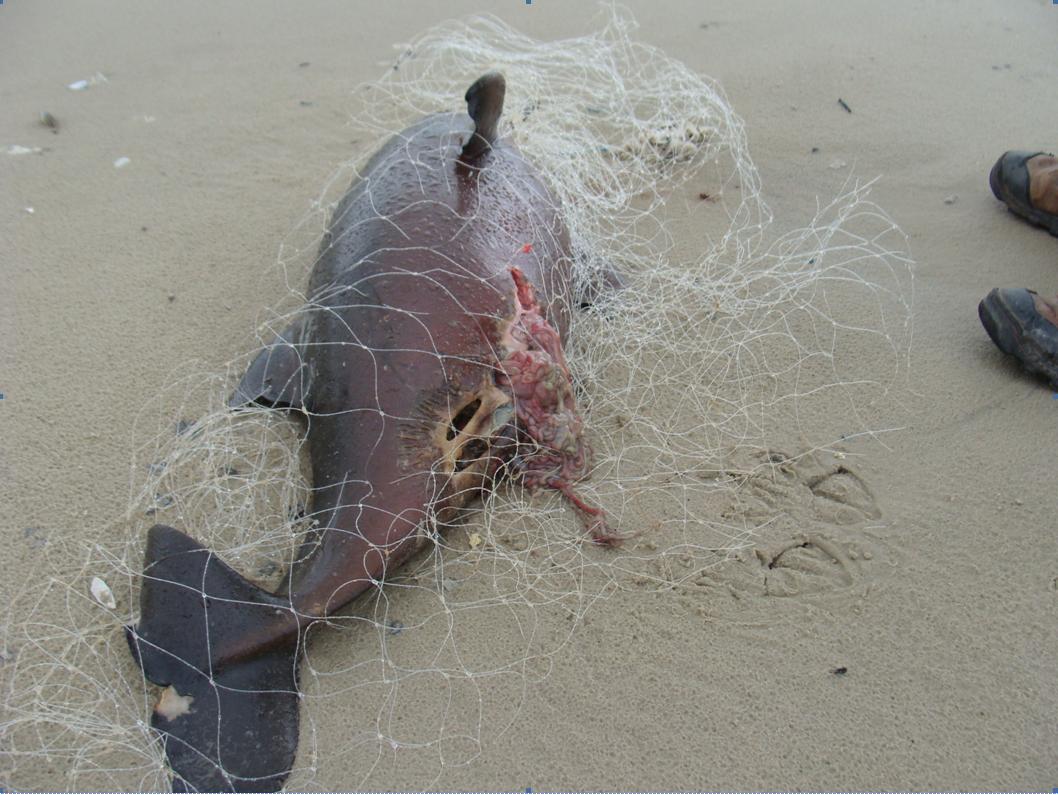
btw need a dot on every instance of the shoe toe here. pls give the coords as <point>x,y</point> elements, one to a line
<point>1009,177</point>
<point>1006,313</point>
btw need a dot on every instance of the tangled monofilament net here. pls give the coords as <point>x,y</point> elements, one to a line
<point>753,339</point>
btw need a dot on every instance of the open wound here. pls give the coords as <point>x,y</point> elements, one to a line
<point>537,376</point>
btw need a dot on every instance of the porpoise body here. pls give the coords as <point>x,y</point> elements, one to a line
<point>428,356</point>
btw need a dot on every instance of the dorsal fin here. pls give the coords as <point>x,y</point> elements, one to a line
<point>485,105</point>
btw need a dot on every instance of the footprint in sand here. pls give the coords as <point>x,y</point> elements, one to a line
<point>815,542</point>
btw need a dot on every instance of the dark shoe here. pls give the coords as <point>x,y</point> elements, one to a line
<point>1010,184</point>
<point>1010,317</point>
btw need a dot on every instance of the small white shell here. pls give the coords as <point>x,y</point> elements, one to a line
<point>102,593</point>
<point>94,80</point>
<point>121,162</point>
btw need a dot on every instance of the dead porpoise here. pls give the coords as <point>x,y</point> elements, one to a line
<point>428,357</point>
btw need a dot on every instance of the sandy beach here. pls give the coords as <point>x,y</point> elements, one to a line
<point>923,656</point>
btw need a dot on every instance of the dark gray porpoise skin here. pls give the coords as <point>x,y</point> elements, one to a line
<point>429,346</point>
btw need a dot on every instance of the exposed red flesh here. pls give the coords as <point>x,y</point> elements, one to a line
<point>537,374</point>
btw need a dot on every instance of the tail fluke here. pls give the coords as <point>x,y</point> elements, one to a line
<point>229,723</point>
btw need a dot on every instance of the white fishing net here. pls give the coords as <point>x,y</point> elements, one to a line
<point>735,339</point>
